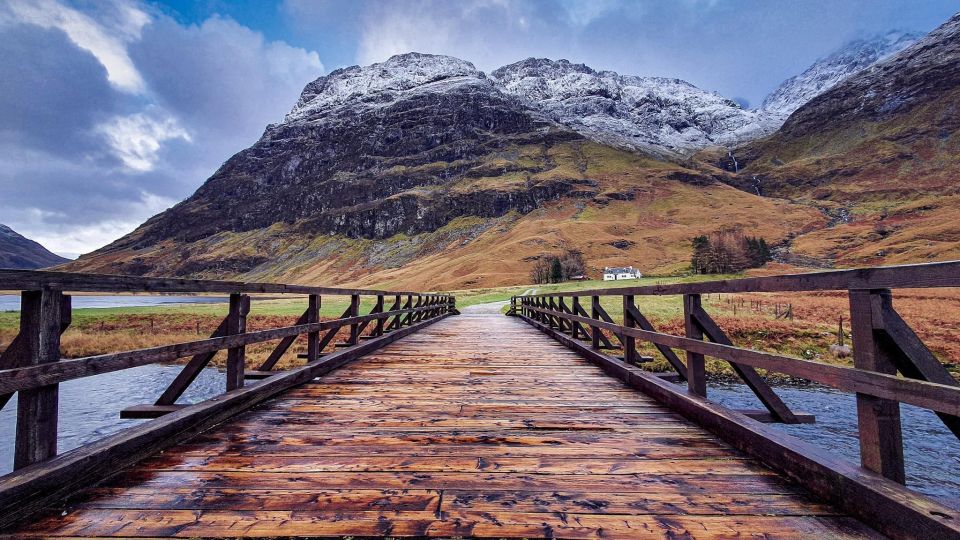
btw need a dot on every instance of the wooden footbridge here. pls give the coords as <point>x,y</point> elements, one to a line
<point>424,422</point>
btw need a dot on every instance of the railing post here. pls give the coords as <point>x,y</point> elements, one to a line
<point>313,338</point>
<point>37,409</point>
<point>595,314</point>
<point>354,312</point>
<point>575,309</point>
<point>881,440</point>
<point>237,324</point>
<point>696,364</point>
<point>629,342</point>
<point>378,325</point>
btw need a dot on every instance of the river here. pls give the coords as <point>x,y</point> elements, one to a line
<point>11,302</point>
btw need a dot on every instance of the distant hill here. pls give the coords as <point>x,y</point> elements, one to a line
<point>21,253</point>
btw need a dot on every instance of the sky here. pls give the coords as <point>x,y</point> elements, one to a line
<point>113,110</point>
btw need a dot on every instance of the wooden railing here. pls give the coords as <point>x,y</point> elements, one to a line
<point>883,346</point>
<point>32,366</point>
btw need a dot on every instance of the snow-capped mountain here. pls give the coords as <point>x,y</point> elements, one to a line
<point>827,72</point>
<point>651,114</point>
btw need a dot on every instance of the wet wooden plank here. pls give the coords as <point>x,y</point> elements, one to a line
<point>452,434</point>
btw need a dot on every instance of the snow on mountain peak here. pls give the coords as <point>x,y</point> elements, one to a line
<point>383,82</point>
<point>652,114</point>
<point>830,70</point>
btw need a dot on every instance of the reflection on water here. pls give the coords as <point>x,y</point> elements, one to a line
<point>11,302</point>
<point>90,407</point>
<point>931,451</point>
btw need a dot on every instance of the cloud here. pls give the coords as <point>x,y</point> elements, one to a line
<point>107,44</point>
<point>136,139</point>
<point>111,115</point>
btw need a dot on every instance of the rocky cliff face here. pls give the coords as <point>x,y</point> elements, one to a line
<point>22,253</point>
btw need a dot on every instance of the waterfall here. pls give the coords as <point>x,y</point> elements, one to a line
<point>736,166</point>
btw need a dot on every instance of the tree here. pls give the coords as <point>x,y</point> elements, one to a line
<point>572,264</point>
<point>701,253</point>
<point>728,251</point>
<point>541,271</point>
<point>556,271</point>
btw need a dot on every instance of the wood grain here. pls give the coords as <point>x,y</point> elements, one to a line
<point>450,433</point>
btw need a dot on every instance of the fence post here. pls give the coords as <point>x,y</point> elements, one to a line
<point>595,314</point>
<point>696,365</point>
<point>313,338</point>
<point>629,342</point>
<point>237,324</point>
<point>354,312</point>
<point>881,440</point>
<point>575,309</point>
<point>378,325</point>
<point>37,409</point>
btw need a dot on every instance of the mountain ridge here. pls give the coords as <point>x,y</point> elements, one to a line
<point>423,170</point>
<point>19,252</point>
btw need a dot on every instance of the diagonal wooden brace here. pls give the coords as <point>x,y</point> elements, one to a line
<point>912,358</point>
<point>764,393</point>
<point>644,324</point>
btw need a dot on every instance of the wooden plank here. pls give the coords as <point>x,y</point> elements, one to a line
<point>37,408</point>
<point>29,490</point>
<point>878,419</point>
<point>887,505</point>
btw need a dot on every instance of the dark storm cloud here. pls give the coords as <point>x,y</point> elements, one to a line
<point>53,94</point>
<point>85,158</point>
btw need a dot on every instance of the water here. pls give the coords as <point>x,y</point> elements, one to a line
<point>931,451</point>
<point>11,302</point>
<point>90,407</point>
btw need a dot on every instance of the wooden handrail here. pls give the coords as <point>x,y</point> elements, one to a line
<point>25,378</point>
<point>911,276</point>
<point>936,397</point>
<point>31,280</point>
<point>884,345</point>
<point>32,366</point>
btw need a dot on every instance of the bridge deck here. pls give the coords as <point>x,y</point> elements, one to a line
<point>476,426</point>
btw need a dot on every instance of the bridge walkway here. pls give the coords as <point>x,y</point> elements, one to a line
<point>477,425</point>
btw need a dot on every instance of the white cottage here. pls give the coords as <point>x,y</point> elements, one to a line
<point>617,272</point>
